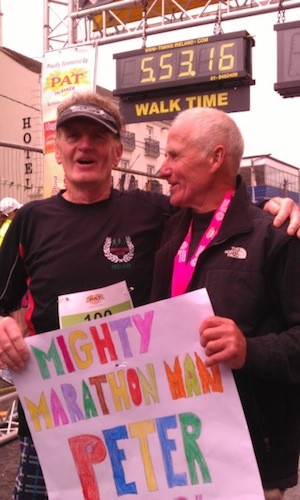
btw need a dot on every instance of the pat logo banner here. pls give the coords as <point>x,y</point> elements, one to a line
<point>63,72</point>
<point>124,407</point>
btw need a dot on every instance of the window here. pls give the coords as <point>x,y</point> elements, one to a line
<point>128,140</point>
<point>124,164</point>
<point>150,133</point>
<point>150,169</point>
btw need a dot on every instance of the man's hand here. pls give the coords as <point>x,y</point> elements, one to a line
<point>284,208</point>
<point>14,351</point>
<point>223,342</point>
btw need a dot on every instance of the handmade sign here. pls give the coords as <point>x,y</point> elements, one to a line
<point>124,407</point>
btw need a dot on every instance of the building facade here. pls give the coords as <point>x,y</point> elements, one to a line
<point>21,156</point>
<point>267,177</point>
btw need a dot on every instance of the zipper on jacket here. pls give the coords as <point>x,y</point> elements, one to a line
<point>267,444</point>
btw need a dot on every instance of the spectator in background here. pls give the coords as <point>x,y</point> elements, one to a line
<point>8,210</point>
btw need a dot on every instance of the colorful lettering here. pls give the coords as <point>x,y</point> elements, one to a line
<point>42,357</point>
<point>87,360</point>
<point>191,430</point>
<point>87,450</point>
<point>116,457</point>
<point>168,445</point>
<point>37,411</point>
<point>197,378</point>
<point>140,430</point>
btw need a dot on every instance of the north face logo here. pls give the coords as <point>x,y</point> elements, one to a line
<point>236,253</point>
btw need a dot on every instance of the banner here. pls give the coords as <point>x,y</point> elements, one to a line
<point>125,407</point>
<point>63,72</point>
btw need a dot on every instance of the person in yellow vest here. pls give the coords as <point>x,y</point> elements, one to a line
<point>8,209</point>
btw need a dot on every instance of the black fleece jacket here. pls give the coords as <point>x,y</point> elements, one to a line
<point>252,273</point>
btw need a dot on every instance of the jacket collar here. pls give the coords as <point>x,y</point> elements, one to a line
<point>237,218</point>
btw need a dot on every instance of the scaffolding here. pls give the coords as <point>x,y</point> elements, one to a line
<point>66,24</point>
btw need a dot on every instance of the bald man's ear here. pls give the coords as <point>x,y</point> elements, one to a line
<point>217,157</point>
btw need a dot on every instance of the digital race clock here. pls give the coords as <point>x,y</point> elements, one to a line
<point>288,59</point>
<point>201,62</point>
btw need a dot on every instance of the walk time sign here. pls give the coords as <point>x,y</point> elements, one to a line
<point>144,109</point>
<point>158,82</point>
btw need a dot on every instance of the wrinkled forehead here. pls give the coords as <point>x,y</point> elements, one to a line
<point>178,137</point>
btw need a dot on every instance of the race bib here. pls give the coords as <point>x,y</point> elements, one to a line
<point>74,308</point>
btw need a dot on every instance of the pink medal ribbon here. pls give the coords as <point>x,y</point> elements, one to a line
<point>183,270</point>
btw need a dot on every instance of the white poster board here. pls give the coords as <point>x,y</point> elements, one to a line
<point>124,407</point>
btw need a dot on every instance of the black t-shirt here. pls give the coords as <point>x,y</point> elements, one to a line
<point>55,247</point>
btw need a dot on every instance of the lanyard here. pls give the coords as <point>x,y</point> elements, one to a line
<point>183,270</point>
